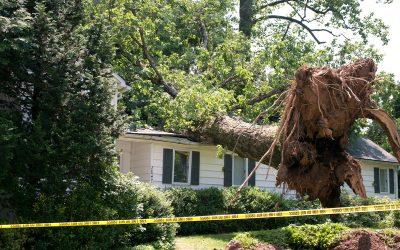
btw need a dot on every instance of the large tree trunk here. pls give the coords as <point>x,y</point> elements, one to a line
<point>321,106</point>
<point>246,16</point>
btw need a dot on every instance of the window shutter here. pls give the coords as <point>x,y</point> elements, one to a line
<point>195,168</point>
<point>167,165</point>
<point>227,170</point>
<point>251,165</point>
<point>391,181</point>
<point>376,181</point>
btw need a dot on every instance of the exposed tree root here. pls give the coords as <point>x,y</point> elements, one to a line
<point>322,105</point>
<point>311,141</point>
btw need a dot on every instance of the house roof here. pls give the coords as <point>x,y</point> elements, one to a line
<point>363,148</point>
<point>360,148</point>
<point>152,132</point>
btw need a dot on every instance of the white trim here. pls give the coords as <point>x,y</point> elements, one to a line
<point>189,174</point>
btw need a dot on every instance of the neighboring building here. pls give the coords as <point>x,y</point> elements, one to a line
<point>379,168</point>
<point>166,159</point>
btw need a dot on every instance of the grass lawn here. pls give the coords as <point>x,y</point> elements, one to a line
<point>219,241</point>
<point>276,237</point>
<point>203,242</point>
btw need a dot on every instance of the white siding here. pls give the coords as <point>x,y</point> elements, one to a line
<point>124,150</point>
<point>211,173</point>
<point>135,157</point>
<point>367,171</point>
<point>145,159</point>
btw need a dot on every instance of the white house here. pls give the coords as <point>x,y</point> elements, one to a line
<point>166,159</point>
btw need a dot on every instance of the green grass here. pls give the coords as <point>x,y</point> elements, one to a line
<point>276,237</point>
<point>219,241</point>
<point>203,242</point>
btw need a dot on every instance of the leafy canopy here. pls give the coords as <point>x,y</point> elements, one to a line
<point>194,50</point>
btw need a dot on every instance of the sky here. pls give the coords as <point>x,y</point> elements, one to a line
<point>390,14</point>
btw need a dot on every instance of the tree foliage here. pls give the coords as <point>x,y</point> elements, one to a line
<point>58,128</point>
<point>170,49</point>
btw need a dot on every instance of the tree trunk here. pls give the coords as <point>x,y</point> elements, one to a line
<point>246,16</point>
<point>245,139</point>
<point>321,106</point>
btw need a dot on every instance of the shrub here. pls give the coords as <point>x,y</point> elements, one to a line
<point>123,197</point>
<point>246,240</point>
<point>189,202</point>
<point>211,201</point>
<point>303,204</point>
<point>314,236</point>
<point>252,200</point>
<point>375,219</point>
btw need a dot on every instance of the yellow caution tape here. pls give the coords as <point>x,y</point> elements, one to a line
<point>323,211</point>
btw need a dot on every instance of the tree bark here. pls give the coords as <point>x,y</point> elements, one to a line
<point>246,139</point>
<point>246,16</point>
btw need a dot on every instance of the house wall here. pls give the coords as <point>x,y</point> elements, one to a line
<point>135,157</point>
<point>367,171</point>
<point>145,159</point>
<point>211,168</point>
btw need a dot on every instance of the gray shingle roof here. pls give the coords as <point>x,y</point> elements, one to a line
<point>363,148</point>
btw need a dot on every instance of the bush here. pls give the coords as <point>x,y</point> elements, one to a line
<point>375,219</point>
<point>123,197</point>
<point>246,240</point>
<point>211,201</point>
<point>303,204</point>
<point>189,202</point>
<point>314,236</point>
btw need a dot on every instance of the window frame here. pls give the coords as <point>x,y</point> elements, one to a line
<point>189,174</point>
<point>246,163</point>
<point>387,181</point>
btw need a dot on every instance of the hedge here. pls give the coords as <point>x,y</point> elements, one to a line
<point>211,201</point>
<point>123,197</point>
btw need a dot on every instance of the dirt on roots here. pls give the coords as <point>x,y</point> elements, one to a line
<point>365,240</point>
<point>321,106</point>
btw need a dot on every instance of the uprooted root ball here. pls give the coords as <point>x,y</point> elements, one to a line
<point>321,106</point>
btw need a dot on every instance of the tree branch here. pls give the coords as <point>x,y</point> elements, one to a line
<point>310,31</point>
<point>171,90</point>
<point>204,33</point>
<point>274,3</point>
<point>259,98</point>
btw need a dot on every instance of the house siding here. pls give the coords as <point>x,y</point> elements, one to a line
<point>144,158</point>
<point>367,171</point>
<point>211,168</point>
<point>135,157</point>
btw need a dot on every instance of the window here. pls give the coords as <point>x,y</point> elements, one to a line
<point>239,172</point>
<point>181,166</point>
<point>384,180</point>
<point>236,170</point>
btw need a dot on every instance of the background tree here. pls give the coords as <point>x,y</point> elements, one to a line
<point>58,129</point>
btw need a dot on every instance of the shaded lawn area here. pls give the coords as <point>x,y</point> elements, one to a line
<point>219,241</point>
<point>203,242</point>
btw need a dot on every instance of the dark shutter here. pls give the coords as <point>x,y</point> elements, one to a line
<point>391,181</point>
<point>167,165</point>
<point>376,181</point>
<point>195,168</point>
<point>251,165</point>
<point>227,170</point>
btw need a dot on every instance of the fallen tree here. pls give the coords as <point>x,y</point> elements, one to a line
<point>321,106</point>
